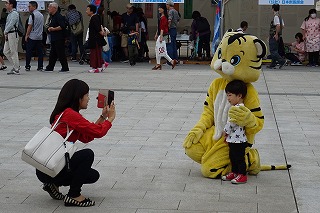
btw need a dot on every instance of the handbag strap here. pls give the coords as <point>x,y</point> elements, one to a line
<point>57,122</point>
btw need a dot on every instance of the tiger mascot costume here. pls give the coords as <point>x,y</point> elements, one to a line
<point>238,56</point>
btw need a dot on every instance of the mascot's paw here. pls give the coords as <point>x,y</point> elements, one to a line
<point>242,116</point>
<point>190,139</point>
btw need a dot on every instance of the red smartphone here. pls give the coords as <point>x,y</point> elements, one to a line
<point>105,97</point>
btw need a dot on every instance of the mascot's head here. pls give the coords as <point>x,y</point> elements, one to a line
<point>239,57</point>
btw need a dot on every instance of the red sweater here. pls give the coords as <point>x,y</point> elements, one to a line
<point>84,130</point>
<point>164,25</point>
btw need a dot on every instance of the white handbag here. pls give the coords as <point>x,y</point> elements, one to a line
<point>48,151</point>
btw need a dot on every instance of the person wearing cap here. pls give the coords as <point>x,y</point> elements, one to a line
<point>173,19</point>
<point>129,19</point>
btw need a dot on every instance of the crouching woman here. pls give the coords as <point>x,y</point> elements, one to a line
<point>73,97</point>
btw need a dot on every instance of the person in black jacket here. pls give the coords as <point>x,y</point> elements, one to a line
<point>56,33</point>
<point>96,40</point>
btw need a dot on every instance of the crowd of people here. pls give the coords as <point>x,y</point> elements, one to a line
<point>131,27</point>
<point>305,48</point>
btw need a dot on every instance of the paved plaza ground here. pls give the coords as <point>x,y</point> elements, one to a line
<point>141,160</point>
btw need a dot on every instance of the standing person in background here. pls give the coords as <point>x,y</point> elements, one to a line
<point>200,27</point>
<point>11,37</point>
<point>128,19</point>
<point>173,19</point>
<point>3,19</point>
<point>162,36</point>
<point>133,46</point>
<point>275,38</point>
<point>96,40</point>
<point>243,27</point>
<point>74,17</point>
<point>144,49</point>
<point>311,33</point>
<point>33,35</point>
<point>55,30</point>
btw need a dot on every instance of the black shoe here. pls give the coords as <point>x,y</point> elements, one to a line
<point>3,67</point>
<point>283,64</point>
<point>40,69</point>
<point>53,192</point>
<point>69,201</point>
<point>27,68</point>
<point>271,67</point>
<point>46,70</point>
<point>63,71</point>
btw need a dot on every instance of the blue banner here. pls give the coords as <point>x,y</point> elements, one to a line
<point>216,30</point>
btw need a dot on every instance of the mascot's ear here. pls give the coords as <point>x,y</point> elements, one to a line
<point>261,48</point>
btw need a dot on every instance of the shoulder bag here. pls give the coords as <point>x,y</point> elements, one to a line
<point>77,28</point>
<point>48,151</point>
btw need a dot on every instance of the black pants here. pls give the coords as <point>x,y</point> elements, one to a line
<point>81,173</point>
<point>236,154</point>
<point>57,51</point>
<point>76,40</point>
<point>292,57</point>
<point>313,57</point>
<point>204,43</point>
<point>31,46</point>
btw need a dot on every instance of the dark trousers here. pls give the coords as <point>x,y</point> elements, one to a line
<point>81,173</point>
<point>313,57</point>
<point>133,53</point>
<point>274,47</point>
<point>143,45</point>
<point>30,47</point>
<point>57,50</point>
<point>76,40</point>
<point>172,46</point>
<point>292,57</point>
<point>204,43</point>
<point>236,155</point>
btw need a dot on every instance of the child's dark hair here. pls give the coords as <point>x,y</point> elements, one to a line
<point>132,28</point>
<point>300,36</point>
<point>237,87</point>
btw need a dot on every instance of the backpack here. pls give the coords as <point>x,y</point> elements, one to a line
<point>20,28</point>
<point>202,24</point>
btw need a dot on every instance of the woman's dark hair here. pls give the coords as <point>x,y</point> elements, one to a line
<point>92,8</point>
<point>311,11</point>
<point>237,87</point>
<point>196,14</point>
<point>300,36</point>
<point>72,7</point>
<point>69,97</point>
<point>164,7</point>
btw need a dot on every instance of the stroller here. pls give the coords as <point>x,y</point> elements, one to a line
<point>85,57</point>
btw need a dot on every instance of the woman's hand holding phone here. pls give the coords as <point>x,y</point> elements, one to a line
<point>109,112</point>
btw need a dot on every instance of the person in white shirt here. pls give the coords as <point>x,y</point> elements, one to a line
<point>235,135</point>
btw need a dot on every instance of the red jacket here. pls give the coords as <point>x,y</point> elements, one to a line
<point>164,25</point>
<point>84,130</point>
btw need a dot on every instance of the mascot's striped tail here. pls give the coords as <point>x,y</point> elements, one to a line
<point>273,167</point>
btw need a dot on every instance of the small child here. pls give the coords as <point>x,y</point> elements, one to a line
<point>298,48</point>
<point>235,135</point>
<point>133,45</point>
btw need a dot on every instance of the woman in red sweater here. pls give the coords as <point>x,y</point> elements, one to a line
<point>161,35</point>
<point>73,97</point>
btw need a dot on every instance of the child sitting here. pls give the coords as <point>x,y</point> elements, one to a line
<point>235,135</point>
<point>298,47</point>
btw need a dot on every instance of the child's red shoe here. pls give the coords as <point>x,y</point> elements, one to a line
<point>229,176</point>
<point>239,179</point>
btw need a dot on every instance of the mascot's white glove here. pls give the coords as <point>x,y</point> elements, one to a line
<point>242,116</point>
<point>194,135</point>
